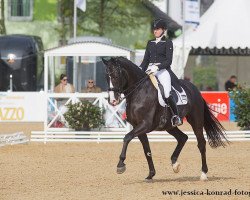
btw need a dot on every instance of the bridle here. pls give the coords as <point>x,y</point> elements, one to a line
<point>120,90</point>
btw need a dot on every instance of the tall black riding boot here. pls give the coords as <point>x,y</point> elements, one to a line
<point>176,120</point>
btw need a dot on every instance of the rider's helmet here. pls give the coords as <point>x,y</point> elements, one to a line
<point>158,23</point>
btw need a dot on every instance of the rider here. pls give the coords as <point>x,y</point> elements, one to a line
<point>157,60</point>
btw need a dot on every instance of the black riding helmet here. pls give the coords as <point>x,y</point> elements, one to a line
<point>158,23</point>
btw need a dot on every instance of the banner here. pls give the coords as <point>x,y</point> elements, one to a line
<point>219,104</point>
<point>22,107</point>
<point>81,4</point>
<point>192,11</point>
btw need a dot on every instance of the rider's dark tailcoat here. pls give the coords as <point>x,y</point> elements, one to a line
<point>162,52</point>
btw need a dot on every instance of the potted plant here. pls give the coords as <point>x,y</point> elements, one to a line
<point>83,115</point>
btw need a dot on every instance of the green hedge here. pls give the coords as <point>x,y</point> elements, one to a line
<point>241,97</point>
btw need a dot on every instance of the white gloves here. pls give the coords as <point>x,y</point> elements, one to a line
<point>152,69</point>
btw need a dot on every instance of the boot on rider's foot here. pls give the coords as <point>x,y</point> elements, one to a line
<point>176,120</point>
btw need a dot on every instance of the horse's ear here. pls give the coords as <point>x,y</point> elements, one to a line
<point>105,61</point>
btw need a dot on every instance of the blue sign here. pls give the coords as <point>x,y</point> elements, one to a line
<point>232,107</point>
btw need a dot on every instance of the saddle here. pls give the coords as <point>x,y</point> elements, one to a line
<point>179,95</point>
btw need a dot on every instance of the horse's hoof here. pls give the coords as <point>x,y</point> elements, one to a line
<point>203,177</point>
<point>148,180</point>
<point>121,170</point>
<point>176,167</point>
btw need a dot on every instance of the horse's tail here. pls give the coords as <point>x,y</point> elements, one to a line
<point>215,131</point>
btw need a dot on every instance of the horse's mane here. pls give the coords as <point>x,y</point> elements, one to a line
<point>130,65</point>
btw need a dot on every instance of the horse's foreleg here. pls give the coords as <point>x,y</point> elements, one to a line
<point>138,130</point>
<point>146,147</point>
<point>121,167</point>
<point>181,139</point>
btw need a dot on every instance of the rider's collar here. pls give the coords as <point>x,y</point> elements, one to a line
<point>159,39</point>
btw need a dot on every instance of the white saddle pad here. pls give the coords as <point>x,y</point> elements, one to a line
<point>182,97</point>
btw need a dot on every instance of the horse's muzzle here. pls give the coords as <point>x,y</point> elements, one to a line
<point>114,102</point>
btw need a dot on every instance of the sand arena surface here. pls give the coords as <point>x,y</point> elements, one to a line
<point>88,171</point>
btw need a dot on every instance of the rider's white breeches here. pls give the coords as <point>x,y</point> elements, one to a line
<point>165,80</point>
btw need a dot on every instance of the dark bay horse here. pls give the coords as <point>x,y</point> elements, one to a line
<point>144,112</point>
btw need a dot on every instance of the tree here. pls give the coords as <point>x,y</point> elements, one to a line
<point>205,77</point>
<point>2,21</point>
<point>65,13</point>
<point>102,16</point>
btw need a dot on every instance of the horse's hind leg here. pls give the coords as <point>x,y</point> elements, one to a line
<point>197,126</point>
<point>181,139</point>
<point>146,147</point>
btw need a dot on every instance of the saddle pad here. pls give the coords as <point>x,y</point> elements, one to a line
<point>180,97</point>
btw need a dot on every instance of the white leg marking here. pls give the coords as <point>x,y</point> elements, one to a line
<point>203,177</point>
<point>149,154</point>
<point>176,167</point>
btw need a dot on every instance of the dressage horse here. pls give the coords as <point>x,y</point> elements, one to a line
<point>144,112</point>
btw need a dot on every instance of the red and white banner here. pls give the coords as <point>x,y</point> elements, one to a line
<point>219,104</point>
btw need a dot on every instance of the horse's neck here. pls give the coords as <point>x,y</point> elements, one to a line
<point>133,76</point>
<point>136,80</point>
<point>132,80</point>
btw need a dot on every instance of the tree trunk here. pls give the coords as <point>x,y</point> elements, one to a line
<point>2,21</point>
<point>63,24</point>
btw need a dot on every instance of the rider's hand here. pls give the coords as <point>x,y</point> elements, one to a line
<point>152,69</point>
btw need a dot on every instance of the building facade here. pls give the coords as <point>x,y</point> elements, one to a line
<point>33,17</point>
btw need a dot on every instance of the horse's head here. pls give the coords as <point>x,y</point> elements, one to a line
<point>115,80</point>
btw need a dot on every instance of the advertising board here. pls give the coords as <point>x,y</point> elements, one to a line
<point>22,107</point>
<point>219,104</point>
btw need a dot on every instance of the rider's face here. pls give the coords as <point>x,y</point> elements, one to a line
<point>158,32</point>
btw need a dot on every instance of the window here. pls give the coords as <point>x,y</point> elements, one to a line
<point>20,10</point>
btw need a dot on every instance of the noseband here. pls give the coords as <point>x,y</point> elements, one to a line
<point>120,85</point>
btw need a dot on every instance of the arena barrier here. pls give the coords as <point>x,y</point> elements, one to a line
<point>115,127</point>
<point>49,110</point>
<point>13,138</point>
<point>57,106</point>
<point>98,136</point>
<point>19,106</point>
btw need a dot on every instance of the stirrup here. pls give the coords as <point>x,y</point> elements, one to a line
<point>178,122</point>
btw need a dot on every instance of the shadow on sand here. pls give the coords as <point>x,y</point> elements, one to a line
<point>184,179</point>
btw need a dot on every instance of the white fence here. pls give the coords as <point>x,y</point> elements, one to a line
<point>98,136</point>
<point>115,132</point>
<point>56,107</point>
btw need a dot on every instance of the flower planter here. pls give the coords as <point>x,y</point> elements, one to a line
<point>83,129</point>
<point>83,116</point>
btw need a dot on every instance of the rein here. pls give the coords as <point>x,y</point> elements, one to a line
<point>136,85</point>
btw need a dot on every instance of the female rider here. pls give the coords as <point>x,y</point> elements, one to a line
<point>157,60</point>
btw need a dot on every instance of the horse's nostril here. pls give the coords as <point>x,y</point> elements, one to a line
<point>114,103</point>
